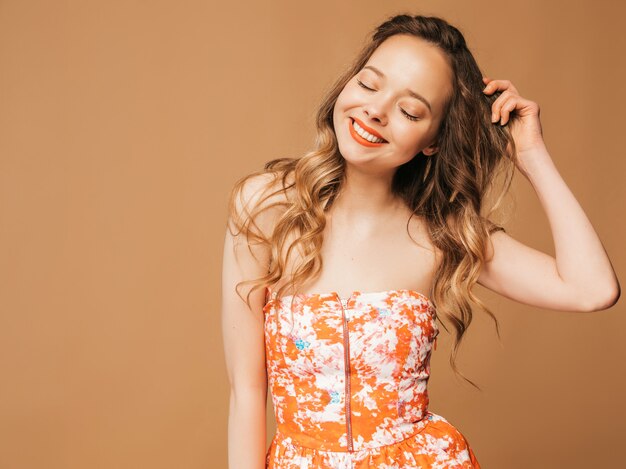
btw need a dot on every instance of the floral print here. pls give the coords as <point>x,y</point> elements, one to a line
<point>349,383</point>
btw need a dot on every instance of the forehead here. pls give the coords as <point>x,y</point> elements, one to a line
<point>410,62</point>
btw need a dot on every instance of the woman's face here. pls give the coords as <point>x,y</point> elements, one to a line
<point>400,71</point>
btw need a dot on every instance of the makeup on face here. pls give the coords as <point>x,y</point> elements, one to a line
<point>364,135</point>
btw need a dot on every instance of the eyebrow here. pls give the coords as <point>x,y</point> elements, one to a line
<point>410,92</point>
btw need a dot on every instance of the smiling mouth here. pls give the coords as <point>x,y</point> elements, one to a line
<point>363,137</point>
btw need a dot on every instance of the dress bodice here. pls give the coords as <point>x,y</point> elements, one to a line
<point>349,374</point>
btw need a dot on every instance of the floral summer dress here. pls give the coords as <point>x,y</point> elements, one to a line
<point>348,380</point>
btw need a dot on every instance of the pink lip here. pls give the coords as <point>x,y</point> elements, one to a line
<point>368,129</point>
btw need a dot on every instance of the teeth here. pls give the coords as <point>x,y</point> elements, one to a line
<point>366,135</point>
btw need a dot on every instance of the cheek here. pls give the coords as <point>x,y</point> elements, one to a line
<point>339,104</point>
<point>348,97</point>
<point>342,106</point>
<point>336,116</point>
<point>413,140</point>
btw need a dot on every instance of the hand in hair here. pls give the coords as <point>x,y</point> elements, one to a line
<point>521,114</point>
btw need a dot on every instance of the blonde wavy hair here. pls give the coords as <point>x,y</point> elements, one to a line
<point>447,190</point>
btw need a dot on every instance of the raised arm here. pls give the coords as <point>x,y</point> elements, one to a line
<point>244,344</point>
<point>581,277</point>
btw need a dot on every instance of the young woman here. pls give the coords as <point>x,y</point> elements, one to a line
<point>378,234</point>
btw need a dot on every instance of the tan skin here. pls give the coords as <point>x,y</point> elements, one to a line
<point>366,246</point>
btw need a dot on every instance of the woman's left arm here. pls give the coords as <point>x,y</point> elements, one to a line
<point>581,278</point>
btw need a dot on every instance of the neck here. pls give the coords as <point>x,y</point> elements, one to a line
<point>365,194</point>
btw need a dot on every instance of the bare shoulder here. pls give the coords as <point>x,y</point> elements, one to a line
<point>252,215</point>
<point>249,192</point>
<point>259,195</point>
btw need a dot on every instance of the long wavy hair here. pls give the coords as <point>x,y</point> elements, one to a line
<point>448,190</point>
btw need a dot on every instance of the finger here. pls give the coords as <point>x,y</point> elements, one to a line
<point>491,87</point>
<point>495,85</point>
<point>507,108</point>
<point>486,89</point>
<point>501,112</point>
<point>496,106</point>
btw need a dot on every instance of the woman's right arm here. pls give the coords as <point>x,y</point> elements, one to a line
<point>244,345</point>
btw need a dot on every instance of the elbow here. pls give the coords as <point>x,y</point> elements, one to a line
<point>248,390</point>
<point>604,301</point>
<point>248,401</point>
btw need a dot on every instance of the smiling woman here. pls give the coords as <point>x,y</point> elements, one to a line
<point>379,103</point>
<point>387,216</point>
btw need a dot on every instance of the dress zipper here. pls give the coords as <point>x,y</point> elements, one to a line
<point>346,348</point>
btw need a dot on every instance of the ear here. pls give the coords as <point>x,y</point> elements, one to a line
<point>430,150</point>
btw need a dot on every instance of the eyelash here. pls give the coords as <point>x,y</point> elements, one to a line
<point>409,116</point>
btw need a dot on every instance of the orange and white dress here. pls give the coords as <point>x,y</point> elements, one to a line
<point>349,379</point>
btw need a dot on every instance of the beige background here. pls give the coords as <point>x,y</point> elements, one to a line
<point>124,124</point>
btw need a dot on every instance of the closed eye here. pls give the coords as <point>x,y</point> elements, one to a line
<point>363,86</point>
<point>409,116</point>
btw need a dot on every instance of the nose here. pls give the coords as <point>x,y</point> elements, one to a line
<point>376,110</point>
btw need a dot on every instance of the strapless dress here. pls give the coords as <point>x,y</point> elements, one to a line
<point>348,380</point>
